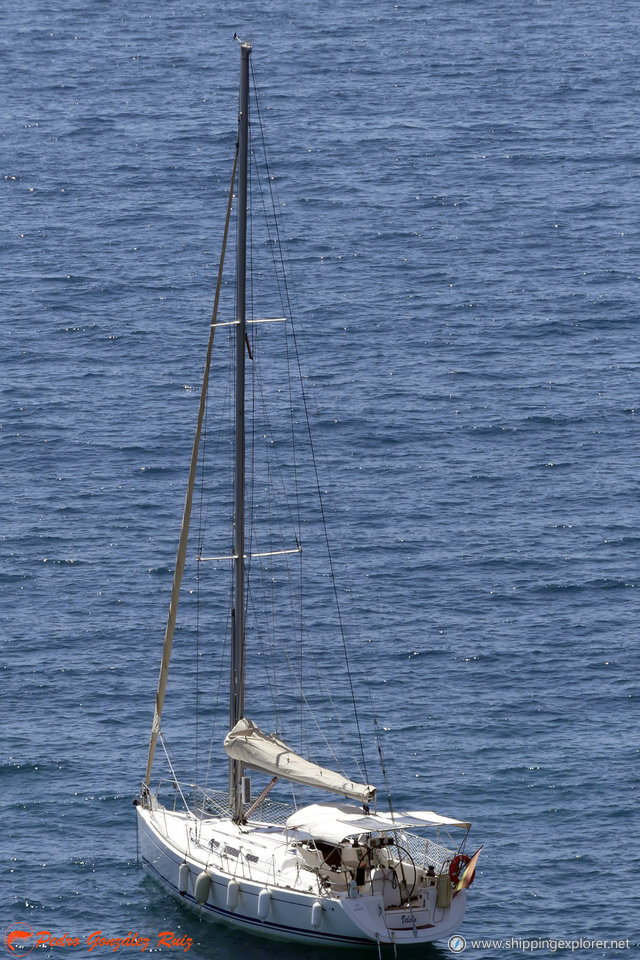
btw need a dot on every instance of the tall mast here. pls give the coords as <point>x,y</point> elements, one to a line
<point>237,678</point>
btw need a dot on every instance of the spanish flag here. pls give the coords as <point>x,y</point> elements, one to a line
<point>469,873</point>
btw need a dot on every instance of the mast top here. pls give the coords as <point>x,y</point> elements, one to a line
<point>246,47</point>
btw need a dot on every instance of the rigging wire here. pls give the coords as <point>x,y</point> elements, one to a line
<point>376,732</point>
<point>313,717</point>
<point>186,516</point>
<point>176,780</point>
<point>275,477</point>
<point>279,248</point>
<point>221,672</point>
<point>274,480</point>
<point>286,500</point>
<point>296,524</point>
<point>221,452</point>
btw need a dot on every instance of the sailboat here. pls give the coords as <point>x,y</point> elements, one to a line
<point>338,870</point>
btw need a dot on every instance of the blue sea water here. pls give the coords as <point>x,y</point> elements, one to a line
<point>460,191</point>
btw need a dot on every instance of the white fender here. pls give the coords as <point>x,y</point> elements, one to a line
<point>183,879</point>
<point>233,889</point>
<point>316,915</point>
<point>202,887</point>
<point>444,891</point>
<point>264,904</point>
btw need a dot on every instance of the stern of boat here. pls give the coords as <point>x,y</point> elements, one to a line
<point>416,922</point>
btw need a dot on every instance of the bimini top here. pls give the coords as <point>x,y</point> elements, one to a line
<point>337,821</point>
<point>264,752</point>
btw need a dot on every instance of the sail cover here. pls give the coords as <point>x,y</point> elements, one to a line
<point>264,752</point>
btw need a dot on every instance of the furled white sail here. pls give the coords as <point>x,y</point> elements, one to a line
<point>264,752</point>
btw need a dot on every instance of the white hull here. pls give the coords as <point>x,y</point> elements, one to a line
<point>297,906</point>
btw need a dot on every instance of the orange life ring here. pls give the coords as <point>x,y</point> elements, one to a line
<point>457,866</point>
